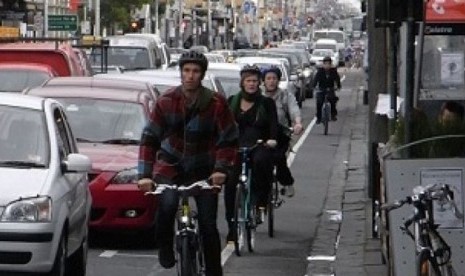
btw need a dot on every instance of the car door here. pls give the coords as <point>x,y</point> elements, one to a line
<point>77,196</point>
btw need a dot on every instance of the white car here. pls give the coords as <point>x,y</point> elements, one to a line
<point>319,54</point>
<point>44,197</point>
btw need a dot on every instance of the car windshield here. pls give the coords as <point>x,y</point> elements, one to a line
<point>230,84</point>
<point>338,36</point>
<point>265,65</point>
<point>105,120</point>
<point>15,80</point>
<point>24,138</point>
<point>126,57</point>
<point>322,53</point>
<point>326,46</point>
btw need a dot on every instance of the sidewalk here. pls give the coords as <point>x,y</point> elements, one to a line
<point>343,243</point>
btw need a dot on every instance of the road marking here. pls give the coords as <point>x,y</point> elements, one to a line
<point>321,258</point>
<point>108,253</point>
<point>226,253</point>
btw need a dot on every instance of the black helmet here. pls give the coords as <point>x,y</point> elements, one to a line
<point>271,69</point>
<point>326,59</point>
<point>194,57</point>
<point>254,69</point>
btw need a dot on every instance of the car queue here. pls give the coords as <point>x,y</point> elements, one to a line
<point>78,169</point>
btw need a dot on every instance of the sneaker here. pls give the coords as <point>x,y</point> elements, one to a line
<point>289,190</point>
<point>166,257</point>
<point>232,236</point>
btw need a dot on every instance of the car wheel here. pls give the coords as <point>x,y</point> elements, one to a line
<point>78,261</point>
<point>59,266</point>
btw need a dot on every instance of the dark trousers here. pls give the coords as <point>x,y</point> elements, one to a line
<point>283,173</point>
<point>320,97</point>
<point>207,207</point>
<point>262,177</point>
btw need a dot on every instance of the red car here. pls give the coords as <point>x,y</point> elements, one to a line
<point>108,123</point>
<point>15,77</point>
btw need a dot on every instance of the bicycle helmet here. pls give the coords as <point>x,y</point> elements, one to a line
<point>271,69</point>
<point>194,57</point>
<point>327,59</point>
<point>254,69</point>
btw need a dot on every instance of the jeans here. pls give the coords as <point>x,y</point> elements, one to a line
<point>283,173</point>
<point>262,177</point>
<point>320,97</point>
<point>207,208</point>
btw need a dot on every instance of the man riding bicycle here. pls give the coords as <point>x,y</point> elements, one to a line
<point>257,120</point>
<point>326,78</point>
<point>191,136</point>
<point>288,116</point>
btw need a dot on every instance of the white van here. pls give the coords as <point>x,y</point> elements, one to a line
<point>328,44</point>
<point>163,48</point>
<point>133,53</point>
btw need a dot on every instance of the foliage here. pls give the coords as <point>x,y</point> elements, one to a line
<point>119,11</point>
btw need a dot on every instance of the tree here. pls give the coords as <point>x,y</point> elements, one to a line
<point>118,12</point>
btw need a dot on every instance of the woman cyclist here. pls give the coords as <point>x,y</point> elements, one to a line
<point>257,120</point>
<point>288,115</point>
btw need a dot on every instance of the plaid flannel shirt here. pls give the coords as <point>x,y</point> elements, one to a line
<point>174,146</point>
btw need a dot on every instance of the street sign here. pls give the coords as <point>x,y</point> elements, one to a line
<point>38,23</point>
<point>62,22</point>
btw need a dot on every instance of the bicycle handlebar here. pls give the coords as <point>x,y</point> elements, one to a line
<point>203,185</point>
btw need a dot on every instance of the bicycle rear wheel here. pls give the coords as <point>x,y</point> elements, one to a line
<point>187,261</point>
<point>239,221</point>
<point>251,228</point>
<point>326,114</point>
<point>270,208</point>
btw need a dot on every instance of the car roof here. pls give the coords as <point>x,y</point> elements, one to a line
<point>326,40</point>
<point>129,41</point>
<point>224,66</point>
<point>141,77</point>
<point>23,101</point>
<point>96,83</point>
<point>258,60</point>
<point>29,66</point>
<point>134,96</point>
<point>36,46</point>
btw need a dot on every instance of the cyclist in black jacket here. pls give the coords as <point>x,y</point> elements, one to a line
<point>326,79</point>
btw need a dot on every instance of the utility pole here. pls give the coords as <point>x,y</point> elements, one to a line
<point>410,73</point>
<point>180,24</point>
<point>46,4</point>
<point>156,16</point>
<point>97,18</point>
<point>209,25</point>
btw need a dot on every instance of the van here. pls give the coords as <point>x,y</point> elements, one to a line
<point>163,50</point>
<point>133,53</point>
<point>328,44</point>
<point>61,57</point>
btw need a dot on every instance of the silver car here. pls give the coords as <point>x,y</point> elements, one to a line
<point>44,197</point>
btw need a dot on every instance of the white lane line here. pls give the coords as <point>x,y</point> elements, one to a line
<point>108,253</point>
<point>290,158</point>
<point>229,249</point>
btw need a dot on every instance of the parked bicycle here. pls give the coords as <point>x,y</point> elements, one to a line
<point>188,240</point>
<point>433,254</point>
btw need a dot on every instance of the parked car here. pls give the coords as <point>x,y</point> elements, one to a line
<point>163,50</point>
<point>61,57</point>
<point>16,77</point>
<point>228,74</point>
<point>44,197</point>
<point>108,124</point>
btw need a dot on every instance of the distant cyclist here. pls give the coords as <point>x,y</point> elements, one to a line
<point>288,116</point>
<point>257,120</point>
<point>327,79</point>
<point>191,136</point>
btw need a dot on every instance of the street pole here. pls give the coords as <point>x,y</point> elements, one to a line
<point>209,25</point>
<point>180,24</point>
<point>393,31</point>
<point>410,74</point>
<point>97,18</point>
<point>46,18</point>
<point>233,10</point>
<point>156,17</point>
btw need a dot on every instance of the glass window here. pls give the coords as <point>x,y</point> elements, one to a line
<point>16,80</point>
<point>105,120</point>
<point>24,136</point>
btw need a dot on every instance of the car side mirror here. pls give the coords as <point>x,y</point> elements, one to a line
<point>77,163</point>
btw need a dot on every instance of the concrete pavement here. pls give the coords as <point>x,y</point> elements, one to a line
<point>343,243</point>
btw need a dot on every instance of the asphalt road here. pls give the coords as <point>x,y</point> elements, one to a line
<point>295,221</point>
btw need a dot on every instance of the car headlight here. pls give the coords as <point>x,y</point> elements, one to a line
<point>307,73</point>
<point>38,209</point>
<point>127,176</point>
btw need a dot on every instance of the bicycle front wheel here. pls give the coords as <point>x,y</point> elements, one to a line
<point>251,228</point>
<point>239,221</point>
<point>187,262</point>
<point>270,208</point>
<point>426,265</point>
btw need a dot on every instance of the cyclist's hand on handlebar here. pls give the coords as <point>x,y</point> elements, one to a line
<point>298,129</point>
<point>217,178</point>
<point>146,185</point>
<point>271,143</point>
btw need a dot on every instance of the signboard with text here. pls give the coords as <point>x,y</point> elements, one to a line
<point>64,22</point>
<point>445,17</point>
